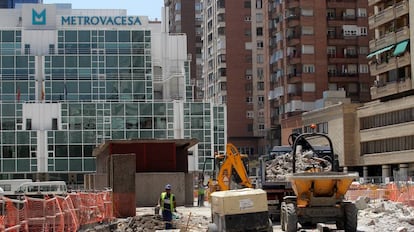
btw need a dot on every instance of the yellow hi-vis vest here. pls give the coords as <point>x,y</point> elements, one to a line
<point>167,201</point>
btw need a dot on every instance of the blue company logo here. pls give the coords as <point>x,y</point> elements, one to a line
<point>39,18</point>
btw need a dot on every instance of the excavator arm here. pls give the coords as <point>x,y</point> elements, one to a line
<point>233,164</point>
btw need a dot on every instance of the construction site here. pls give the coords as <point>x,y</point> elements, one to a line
<point>302,189</point>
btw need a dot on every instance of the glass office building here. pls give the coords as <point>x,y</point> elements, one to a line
<point>72,79</point>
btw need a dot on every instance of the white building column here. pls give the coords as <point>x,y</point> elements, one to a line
<point>365,172</point>
<point>404,172</point>
<point>386,170</point>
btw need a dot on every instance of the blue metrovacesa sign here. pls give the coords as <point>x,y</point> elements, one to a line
<point>101,20</point>
<point>39,18</point>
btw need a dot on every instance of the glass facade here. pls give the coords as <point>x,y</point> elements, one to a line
<point>89,86</point>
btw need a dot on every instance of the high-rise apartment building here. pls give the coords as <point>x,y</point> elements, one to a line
<point>185,17</point>
<point>72,79</point>
<point>233,54</point>
<point>386,124</point>
<point>315,46</point>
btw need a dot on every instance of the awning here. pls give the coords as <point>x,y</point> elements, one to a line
<point>379,51</point>
<point>400,48</point>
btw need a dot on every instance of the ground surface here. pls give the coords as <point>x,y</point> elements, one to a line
<point>375,217</point>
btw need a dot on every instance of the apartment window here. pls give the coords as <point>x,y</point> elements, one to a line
<point>308,68</point>
<point>307,30</point>
<point>248,32</point>
<point>362,12</point>
<point>363,31</point>
<point>249,100</point>
<point>260,85</point>
<point>260,73</point>
<point>331,32</point>
<point>261,126</point>
<point>260,99</point>
<point>331,70</point>
<point>259,4</point>
<point>308,49</point>
<point>259,17</point>
<point>247,4</point>
<point>363,68</point>
<point>331,51</point>
<point>177,6</point>
<point>259,44</point>
<point>260,59</point>
<point>330,13</point>
<point>349,13</point>
<point>350,30</point>
<point>350,51</point>
<point>250,114</point>
<point>259,31</point>
<point>352,68</point>
<point>247,18</point>
<point>307,12</point>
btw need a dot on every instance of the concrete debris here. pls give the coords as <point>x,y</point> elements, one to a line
<point>386,216</point>
<point>150,223</point>
<point>362,202</point>
<point>277,168</point>
<point>401,229</point>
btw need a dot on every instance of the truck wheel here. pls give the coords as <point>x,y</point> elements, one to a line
<point>340,224</point>
<point>291,218</point>
<point>351,217</point>
<point>282,215</point>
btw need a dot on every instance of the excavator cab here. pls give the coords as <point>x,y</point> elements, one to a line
<point>230,171</point>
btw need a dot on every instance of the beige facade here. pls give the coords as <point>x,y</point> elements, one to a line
<point>391,132</point>
<point>339,122</point>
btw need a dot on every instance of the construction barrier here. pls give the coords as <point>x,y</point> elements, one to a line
<point>58,213</point>
<point>402,192</point>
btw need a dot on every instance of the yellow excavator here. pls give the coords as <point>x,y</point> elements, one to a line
<point>235,205</point>
<point>230,171</point>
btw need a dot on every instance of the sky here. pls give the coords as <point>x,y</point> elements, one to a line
<point>150,8</point>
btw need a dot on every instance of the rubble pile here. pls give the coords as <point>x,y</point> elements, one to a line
<point>386,216</point>
<point>151,222</point>
<point>142,223</point>
<point>277,168</point>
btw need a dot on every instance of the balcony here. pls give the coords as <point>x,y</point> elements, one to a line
<point>373,2</point>
<point>391,64</point>
<point>294,78</point>
<point>390,88</point>
<point>385,41</point>
<point>391,38</point>
<point>293,21</point>
<point>381,18</point>
<point>401,9</point>
<point>402,34</point>
<point>294,60</point>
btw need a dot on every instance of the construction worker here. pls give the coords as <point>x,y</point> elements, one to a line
<point>167,205</point>
<point>200,194</point>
